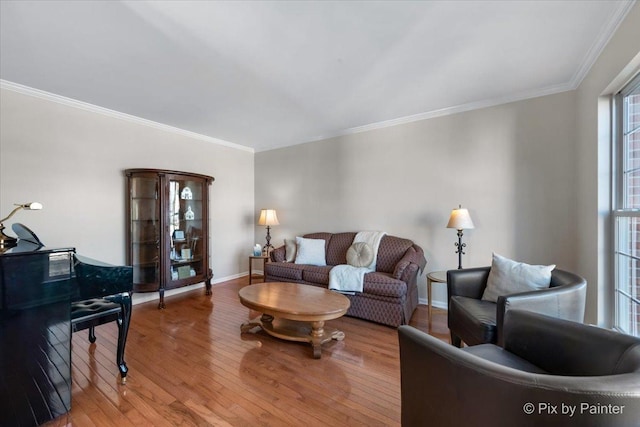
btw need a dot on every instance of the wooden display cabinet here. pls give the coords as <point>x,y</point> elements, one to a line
<point>168,229</point>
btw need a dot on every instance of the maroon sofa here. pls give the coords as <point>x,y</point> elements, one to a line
<point>390,294</point>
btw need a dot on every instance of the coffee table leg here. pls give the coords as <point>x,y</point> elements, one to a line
<point>317,334</point>
<point>318,337</point>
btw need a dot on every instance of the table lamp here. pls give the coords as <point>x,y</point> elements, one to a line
<point>460,220</point>
<point>268,217</point>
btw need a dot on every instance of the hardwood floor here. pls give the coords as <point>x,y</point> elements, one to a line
<point>190,365</point>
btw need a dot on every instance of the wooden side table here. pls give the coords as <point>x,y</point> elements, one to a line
<point>264,259</point>
<point>434,277</point>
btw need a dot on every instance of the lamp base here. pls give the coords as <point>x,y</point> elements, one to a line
<point>460,250</point>
<point>6,242</point>
<point>266,249</point>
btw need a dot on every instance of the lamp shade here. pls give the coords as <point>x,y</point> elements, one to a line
<point>460,219</point>
<point>34,206</point>
<point>268,217</point>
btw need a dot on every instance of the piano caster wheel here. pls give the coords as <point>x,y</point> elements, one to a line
<point>123,380</point>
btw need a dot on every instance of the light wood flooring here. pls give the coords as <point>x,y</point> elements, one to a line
<point>189,365</point>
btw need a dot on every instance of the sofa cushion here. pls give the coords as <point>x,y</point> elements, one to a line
<point>290,250</point>
<point>382,284</point>
<point>284,270</point>
<point>317,274</point>
<point>360,254</point>
<point>337,248</point>
<point>509,277</point>
<point>477,318</point>
<point>310,251</point>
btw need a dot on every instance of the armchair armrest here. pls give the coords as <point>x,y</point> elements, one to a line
<point>467,282</point>
<point>569,348</point>
<point>564,302</point>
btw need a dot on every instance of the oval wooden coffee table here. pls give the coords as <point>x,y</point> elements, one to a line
<point>294,312</point>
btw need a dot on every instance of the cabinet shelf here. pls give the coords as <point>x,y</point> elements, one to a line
<point>155,212</point>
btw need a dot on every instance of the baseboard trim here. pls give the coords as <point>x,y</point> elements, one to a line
<point>436,304</point>
<point>143,297</point>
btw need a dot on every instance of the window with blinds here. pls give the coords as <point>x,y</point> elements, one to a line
<point>627,209</point>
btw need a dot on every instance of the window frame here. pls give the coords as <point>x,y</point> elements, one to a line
<point>619,210</point>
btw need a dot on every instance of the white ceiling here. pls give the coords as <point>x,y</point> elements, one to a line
<point>271,74</point>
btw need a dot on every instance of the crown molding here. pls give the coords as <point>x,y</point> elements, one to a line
<point>608,30</point>
<point>438,113</point>
<point>37,93</point>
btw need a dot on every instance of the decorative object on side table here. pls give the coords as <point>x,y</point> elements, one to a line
<point>7,242</point>
<point>460,220</point>
<point>268,217</point>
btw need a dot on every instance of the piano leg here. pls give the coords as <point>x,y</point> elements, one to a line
<point>123,330</point>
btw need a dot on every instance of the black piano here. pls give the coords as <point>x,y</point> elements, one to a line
<point>38,287</point>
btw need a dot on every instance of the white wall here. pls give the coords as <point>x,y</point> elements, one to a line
<point>72,161</point>
<point>512,166</point>
<point>617,63</point>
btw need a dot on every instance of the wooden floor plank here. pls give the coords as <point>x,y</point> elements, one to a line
<point>190,365</point>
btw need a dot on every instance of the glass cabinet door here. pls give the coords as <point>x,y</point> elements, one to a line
<point>145,232</point>
<point>186,228</point>
<point>168,231</point>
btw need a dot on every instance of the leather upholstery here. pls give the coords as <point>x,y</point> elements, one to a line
<point>588,369</point>
<point>474,321</point>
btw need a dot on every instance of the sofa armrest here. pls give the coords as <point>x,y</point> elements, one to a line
<point>278,254</point>
<point>412,261</point>
<point>467,282</point>
<point>407,273</point>
<point>564,302</point>
<point>442,385</point>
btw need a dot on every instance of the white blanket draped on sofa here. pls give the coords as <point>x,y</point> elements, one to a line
<point>348,279</point>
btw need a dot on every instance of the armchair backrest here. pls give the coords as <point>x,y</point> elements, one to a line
<point>562,347</point>
<point>446,386</point>
<point>563,278</point>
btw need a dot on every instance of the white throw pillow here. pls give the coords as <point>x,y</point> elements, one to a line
<point>289,250</point>
<point>310,251</point>
<point>511,277</point>
<point>360,254</point>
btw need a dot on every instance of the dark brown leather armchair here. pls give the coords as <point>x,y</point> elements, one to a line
<point>550,372</point>
<point>475,321</point>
